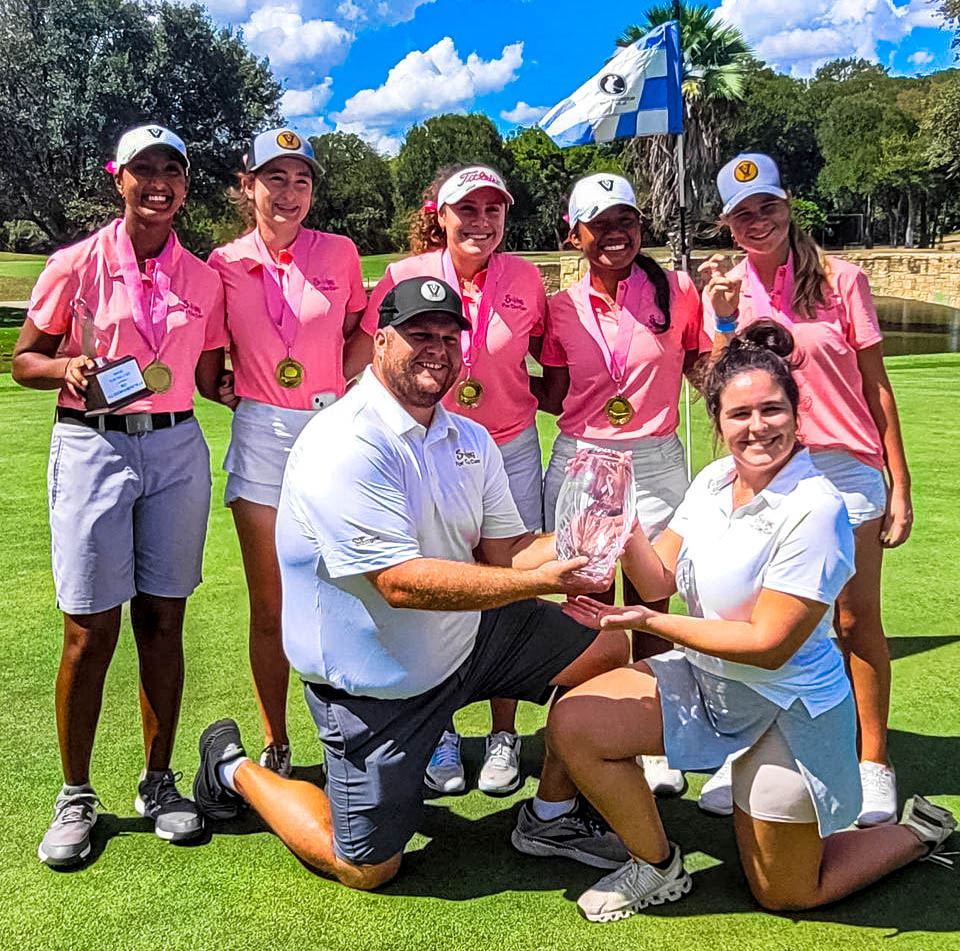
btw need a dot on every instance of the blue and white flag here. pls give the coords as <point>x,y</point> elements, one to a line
<point>636,93</point>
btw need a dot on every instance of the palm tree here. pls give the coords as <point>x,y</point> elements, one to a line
<point>715,61</point>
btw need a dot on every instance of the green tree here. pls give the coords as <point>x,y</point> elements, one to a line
<point>354,195</point>
<point>542,177</point>
<point>77,73</point>
<point>715,60</point>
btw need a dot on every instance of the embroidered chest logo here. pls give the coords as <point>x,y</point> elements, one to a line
<point>763,524</point>
<point>363,541</point>
<point>324,283</point>
<point>467,457</point>
<point>513,303</point>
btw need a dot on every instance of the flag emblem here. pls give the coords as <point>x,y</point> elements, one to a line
<point>746,171</point>
<point>613,84</point>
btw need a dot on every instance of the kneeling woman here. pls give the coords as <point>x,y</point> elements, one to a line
<point>759,549</point>
<point>129,490</point>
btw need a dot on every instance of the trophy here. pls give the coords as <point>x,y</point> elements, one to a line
<point>112,384</point>
<point>595,509</point>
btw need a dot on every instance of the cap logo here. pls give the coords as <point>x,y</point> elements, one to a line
<point>288,140</point>
<point>613,84</point>
<point>746,171</point>
<point>478,176</point>
<point>606,184</point>
<point>155,132</point>
<point>432,291</point>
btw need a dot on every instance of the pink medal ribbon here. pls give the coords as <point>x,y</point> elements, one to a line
<point>283,289</point>
<point>474,340</point>
<point>627,309</point>
<point>150,321</point>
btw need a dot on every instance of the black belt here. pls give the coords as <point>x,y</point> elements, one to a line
<point>129,423</point>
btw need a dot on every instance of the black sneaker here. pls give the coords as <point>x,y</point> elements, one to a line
<point>581,835</point>
<point>219,743</point>
<point>175,818</point>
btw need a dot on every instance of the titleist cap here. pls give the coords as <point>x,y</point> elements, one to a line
<point>144,137</point>
<point>421,295</point>
<point>593,195</point>
<point>750,173</point>
<point>467,180</point>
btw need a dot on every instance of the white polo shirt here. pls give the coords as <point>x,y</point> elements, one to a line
<point>793,537</point>
<point>366,487</point>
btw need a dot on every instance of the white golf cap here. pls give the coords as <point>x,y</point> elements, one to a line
<point>594,194</point>
<point>467,180</point>
<point>750,173</point>
<point>144,137</point>
<point>278,143</point>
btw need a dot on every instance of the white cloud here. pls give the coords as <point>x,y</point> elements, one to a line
<point>306,102</point>
<point>426,83</point>
<point>280,32</point>
<point>350,12</point>
<point>801,37</point>
<point>920,57</point>
<point>522,114</point>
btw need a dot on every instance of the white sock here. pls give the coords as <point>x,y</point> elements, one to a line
<point>552,810</point>
<point>226,770</point>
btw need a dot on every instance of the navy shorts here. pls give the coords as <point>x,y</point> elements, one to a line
<point>377,750</point>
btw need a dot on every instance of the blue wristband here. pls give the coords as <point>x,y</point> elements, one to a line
<point>727,325</point>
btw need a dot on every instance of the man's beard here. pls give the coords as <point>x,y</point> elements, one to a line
<point>401,378</point>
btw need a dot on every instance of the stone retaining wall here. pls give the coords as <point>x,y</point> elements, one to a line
<point>929,276</point>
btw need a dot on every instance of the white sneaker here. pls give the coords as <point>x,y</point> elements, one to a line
<point>662,780</point>
<point>716,797</point>
<point>632,887</point>
<point>933,825</point>
<point>444,773</point>
<point>500,772</point>
<point>879,783</point>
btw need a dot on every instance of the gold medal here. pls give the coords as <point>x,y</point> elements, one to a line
<point>289,373</point>
<point>469,392</point>
<point>618,410</point>
<point>158,376</point>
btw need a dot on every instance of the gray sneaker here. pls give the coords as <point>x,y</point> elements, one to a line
<point>175,818</point>
<point>500,772</point>
<point>67,841</point>
<point>632,887</point>
<point>581,835</point>
<point>933,825</point>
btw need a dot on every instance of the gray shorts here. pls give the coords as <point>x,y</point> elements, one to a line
<point>261,437</point>
<point>863,488</point>
<point>523,463</point>
<point>128,514</point>
<point>708,718</point>
<point>376,750</point>
<point>659,474</point>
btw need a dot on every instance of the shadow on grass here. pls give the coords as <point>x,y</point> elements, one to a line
<point>908,646</point>
<point>472,857</point>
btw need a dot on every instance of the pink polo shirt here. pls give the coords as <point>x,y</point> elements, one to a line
<point>517,314</point>
<point>89,272</point>
<point>833,410</point>
<point>333,287</point>
<point>654,363</point>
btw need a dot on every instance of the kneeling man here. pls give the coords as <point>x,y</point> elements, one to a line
<point>410,589</point>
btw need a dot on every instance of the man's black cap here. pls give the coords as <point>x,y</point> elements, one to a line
<point>421,295</point>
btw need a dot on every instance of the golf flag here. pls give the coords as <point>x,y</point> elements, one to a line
<point>636,93</point>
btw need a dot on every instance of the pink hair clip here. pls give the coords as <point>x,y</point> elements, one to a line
<point>111,167</point>
<point>430,207</point>
<point>566,218</point>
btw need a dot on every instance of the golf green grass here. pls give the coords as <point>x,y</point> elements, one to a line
<point>462,886</point>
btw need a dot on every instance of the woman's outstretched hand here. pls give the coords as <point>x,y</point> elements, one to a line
<point>603,617</point>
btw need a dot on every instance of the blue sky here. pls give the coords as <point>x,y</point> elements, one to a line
<point>375,67</point>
